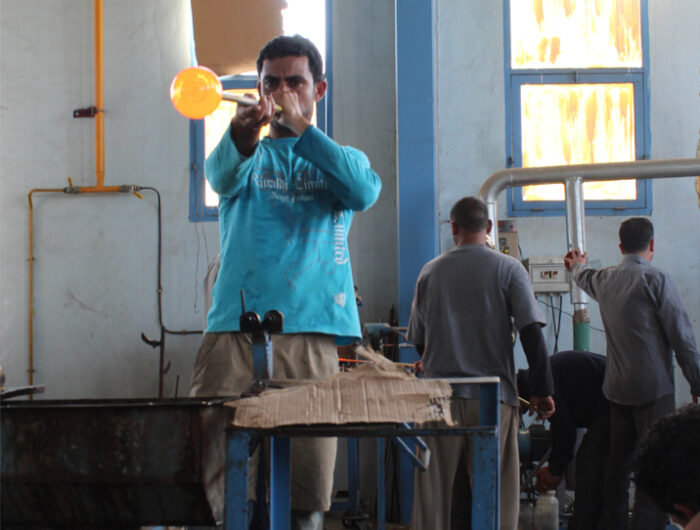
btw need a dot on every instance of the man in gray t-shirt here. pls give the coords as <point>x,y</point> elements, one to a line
<point>466,303</point>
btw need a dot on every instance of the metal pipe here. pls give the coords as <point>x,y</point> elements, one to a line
<point>575,229</point>
<point>99,96</point>
<point>30,260</point>
<point>573,177</point>
<point>576,238</point>
<point>640,170</point>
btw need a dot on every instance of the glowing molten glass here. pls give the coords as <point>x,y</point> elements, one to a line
<point>196,92</point>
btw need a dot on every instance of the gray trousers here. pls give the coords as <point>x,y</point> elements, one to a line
<point>627,424</point>
<point>433,488</point>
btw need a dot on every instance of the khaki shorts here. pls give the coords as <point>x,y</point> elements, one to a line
<point>224,367</point>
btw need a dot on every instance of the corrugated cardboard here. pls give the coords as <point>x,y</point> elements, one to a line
<point>377,392</point>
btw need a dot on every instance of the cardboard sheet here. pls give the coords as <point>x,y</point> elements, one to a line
<point>376,392</point>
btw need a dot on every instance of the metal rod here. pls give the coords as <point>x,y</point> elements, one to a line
<point>99,95</point>
<point>246,101</point>
<point>575,230</point>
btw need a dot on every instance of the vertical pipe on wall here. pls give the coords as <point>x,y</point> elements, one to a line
<point>99,96</point>
<point>576,238</point>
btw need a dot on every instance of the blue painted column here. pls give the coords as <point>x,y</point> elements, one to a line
<point>236,498</point>
<point>417,171</point>
<point>280,493</point>
<point>417,144</point>
<point>486,461</point>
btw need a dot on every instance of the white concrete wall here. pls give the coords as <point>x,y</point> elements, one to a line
<point>472,143</point>
<point>95,268</point>
<point>364,113</point>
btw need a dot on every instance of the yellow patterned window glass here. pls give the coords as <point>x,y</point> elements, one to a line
<point>575,34</point>
<point>578,124</point>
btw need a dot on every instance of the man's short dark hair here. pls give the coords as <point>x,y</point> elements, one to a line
<point>666,464</point>
<point>636,234</point>
<point>470,214</point>
<point>285,45</point>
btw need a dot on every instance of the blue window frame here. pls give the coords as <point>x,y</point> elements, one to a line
<point>199,211</point>
<point>517,78</point>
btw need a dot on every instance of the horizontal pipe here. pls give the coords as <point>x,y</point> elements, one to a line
<point>639,170</point>
<point>96,189</point>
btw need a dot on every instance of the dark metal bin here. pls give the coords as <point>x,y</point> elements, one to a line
<point>109,463</point>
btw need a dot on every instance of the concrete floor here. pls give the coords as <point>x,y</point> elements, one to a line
<point>334,521</point>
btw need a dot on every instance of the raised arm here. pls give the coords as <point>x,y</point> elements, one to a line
<point>348,171</point>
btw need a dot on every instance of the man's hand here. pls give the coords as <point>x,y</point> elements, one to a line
<point>247,122</point>
<point>291,116</point>
<point>543,406</point>
<point>575,256</point>
<point>255,117</point>
<point>546,481</point>
<point>418,367</point>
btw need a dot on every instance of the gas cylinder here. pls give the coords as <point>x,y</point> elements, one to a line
<point>547,512</point>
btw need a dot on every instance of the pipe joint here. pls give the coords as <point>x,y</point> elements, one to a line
<point>130,188</point>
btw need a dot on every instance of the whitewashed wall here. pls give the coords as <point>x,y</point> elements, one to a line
<point>472,143</point>
<point>95,268</point>
<point>364,110</point>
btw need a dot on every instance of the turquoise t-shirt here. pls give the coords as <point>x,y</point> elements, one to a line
<point>284,217</point>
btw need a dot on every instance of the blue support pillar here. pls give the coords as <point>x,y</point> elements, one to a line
<point>417,169</point>
<point>381,484</point>
<point>236,505</point>
<point>353,450</point>
<point>280,494</point>
<point>486,462</point>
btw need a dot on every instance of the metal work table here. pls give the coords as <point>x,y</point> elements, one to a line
<point>486,463</point>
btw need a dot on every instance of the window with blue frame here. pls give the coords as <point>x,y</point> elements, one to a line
<point>577,93</point>
<point>306,17</point>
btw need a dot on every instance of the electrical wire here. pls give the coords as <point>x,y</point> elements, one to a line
<point>569,314</point>
<point>556,322</point>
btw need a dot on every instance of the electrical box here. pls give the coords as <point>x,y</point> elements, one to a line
<point>548,274</point>
<point>508,244</point>
<point>508,238</point>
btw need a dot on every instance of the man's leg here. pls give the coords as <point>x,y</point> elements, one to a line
<point>510,468</point>
<point>622,441</point>
<point>509,460</point>
<point>222,368</point>
<point>590,467</point>
<point>432,488</point>
<point>308,356</point>
<point>646,515</point>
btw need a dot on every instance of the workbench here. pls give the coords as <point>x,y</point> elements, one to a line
<point>486,463</point>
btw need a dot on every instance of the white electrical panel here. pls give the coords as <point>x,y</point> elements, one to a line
<point>548,274</point>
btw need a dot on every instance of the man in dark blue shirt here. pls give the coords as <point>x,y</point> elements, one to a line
<point>580,403</point>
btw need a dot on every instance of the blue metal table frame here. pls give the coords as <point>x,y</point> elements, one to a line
<point>486,461</point>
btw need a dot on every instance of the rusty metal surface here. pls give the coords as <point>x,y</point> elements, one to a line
<point>106,463</point>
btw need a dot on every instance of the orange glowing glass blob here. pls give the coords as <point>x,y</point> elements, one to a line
<point>196,92</point>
